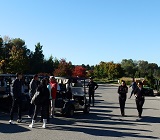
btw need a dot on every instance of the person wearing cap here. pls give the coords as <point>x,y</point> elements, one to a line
<point>53,85</point>
<point>92,86</point>
<point>16,92</point>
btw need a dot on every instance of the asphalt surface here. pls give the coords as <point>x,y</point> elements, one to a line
<point>103,122</point>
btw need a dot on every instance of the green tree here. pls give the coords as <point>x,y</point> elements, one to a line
<point>114,70</point>
<point>48,65</point>
<point>55,64</point>
<point>129,66</point>
<point>37,59</point>
<point>19,43</point>
<point>151,68</point>
<point>88,67</point>
<point>142,68</point>
<point>103,69</point>
<point>96,71</point>
<point>16,55</point>
<point>7,46</point>
<point>17,62</point>
<point>156,73</point>
<point>89,73</point>
<point>2,66</point>
<point>1,49</point>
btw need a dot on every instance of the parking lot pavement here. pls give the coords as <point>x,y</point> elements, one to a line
<point>103,122</point>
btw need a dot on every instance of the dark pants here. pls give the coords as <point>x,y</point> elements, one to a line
<point>91,95</point>
<point>43,109</point>
<point>132,93</point>
<point>31,109</point>
<point>139,104</point>
<point>48,108</point>
<point>122,100</point>
<point>16,103</point>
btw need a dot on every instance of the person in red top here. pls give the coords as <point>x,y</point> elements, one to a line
<point>53,85</point>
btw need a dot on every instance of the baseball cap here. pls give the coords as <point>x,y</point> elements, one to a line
<point>51,77</point>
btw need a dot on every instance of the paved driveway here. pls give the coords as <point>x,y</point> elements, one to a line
<point>103,123</point>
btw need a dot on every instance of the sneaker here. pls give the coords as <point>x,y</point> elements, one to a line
<point>139,116</point>
<point>31,125</point>
<point>44,126</point>
<point>123,114</point>
<point>11,122</point>
<point>19,120</point>
<point>51,116</point>
<point>29,116</point>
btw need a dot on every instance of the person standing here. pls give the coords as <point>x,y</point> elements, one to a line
<point>139,94</point>
<point>49,101</point>
<point>122,91</point>
<point>91,91</point>
<point>134,86</point>
<point>32,90</point>
<point>43,100</point>
<point>53,85</point>
<point>16,92</point>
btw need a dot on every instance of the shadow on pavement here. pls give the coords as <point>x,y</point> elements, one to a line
<point>92,127</point>
<point>96,131</point>
<point>8,128</point>
<point>149,119</point>
<point>100,123</point>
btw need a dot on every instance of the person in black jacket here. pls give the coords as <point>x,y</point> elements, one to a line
<point>42,103</point>
<point>122,91</point>
<point>139,94</point>
<point>134,86</point>
<point>92,87</point>
<point>32,90</point>
<point>16,92</point>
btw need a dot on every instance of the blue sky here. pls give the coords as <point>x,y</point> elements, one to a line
<point>86,31</point>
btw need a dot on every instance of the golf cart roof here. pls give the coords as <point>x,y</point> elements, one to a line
<point>71,78</point>
<point>65,80</point>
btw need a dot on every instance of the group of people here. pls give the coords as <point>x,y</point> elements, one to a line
<point>137,90</point>
<point>47,89</point>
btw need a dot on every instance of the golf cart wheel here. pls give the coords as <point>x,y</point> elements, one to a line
<point>87,109</point>
<point>70,112</point>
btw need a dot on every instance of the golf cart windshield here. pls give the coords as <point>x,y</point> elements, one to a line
<point>76,85</point>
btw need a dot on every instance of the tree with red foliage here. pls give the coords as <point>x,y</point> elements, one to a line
<point>79,71</point>
<point>64,69</point>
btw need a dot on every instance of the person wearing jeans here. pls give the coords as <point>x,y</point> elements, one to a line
<point>53,85</point>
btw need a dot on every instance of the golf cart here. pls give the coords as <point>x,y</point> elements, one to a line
<point>72,96</point>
